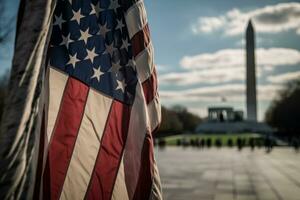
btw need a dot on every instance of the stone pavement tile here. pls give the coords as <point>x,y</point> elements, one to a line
<point>241,177</point>
<point>290,171</point>
<point>261,186</point>
<point>266,195</point>
<point>282,184</point>
<point>203,191</point>
<point>246,186</point>
<point>220,174</point>
<point>245,192</point>
<point>201,194</point>
<point>178,194</point>
<point>225,187</point>
<point>257,178</point>
<point>225,179</point>
<point>187,197</point>
<point>246,197</point>
<point>224,196</point>
<point>288,192</point>
<point>210,175</point>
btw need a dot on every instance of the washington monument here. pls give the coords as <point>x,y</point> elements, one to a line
<point>250,76</point>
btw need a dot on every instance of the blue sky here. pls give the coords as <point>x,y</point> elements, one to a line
<point>199,50</point>
<point>6,49</point>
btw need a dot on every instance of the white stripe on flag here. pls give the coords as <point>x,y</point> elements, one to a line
<point>154,112</point>
<point>156,191</point>
<point>87,146</point>
<point>56,88</point>
<point>136,18</point>
<point>138,119</point>
<point>120,190</point>
<point>144,63</point>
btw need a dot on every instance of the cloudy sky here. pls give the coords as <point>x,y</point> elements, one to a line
<point>199,50</point>
<point>200,56</point>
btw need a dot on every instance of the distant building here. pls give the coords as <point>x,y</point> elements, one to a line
<point>220,114</point>
<point>228,120</point>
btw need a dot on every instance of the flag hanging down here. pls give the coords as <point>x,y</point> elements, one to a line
<point>102,104</point>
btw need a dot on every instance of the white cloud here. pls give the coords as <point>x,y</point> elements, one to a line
<point>282,78</point>
<point>209,24</point>
<point>236,58</point>
<point>162,68</point>
<point>202,111</point>
<point>208,76</point>
<point>219,59</point>
<point>227,65</point>
<point>205,94</point>
<point>269,19</point>
<point>232,92</point>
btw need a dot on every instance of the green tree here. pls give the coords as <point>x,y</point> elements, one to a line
<point>177,119</point>
<point>284,112</point>
<point>189,120</point>
<point>170,122</point>
<point>3,85</point>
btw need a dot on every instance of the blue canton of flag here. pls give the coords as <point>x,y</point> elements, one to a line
<point>90,42</point>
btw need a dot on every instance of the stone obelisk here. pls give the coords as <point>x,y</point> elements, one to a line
<point>250,73</point>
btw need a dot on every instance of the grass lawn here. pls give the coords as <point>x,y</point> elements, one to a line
<point>172,140</point>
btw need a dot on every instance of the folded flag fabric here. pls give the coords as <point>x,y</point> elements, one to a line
<point>96,105</point>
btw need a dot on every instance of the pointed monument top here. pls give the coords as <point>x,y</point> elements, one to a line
<point>250,26</point>
<point>250,22</point>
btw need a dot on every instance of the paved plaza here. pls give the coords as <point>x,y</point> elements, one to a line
<point>221,174</point>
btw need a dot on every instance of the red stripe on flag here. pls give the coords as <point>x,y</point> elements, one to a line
<point>150,87</point>
<point>144,184</point>
<point>140,40</point>
<point>64,137</point>
<point>110,153</point>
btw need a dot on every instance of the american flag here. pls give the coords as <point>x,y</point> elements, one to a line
<point>101,104</point>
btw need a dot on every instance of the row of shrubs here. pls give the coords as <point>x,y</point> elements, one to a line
<point>208,142</point>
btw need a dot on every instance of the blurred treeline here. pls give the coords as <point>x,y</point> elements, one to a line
<point>3,85</point>
<point>7,25</point>
<point>284,111</point>
<point>176,120</point>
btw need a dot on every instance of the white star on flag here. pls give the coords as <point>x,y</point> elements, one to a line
<point>110,49</point>
<point>121,85</point>
<point>125,44</point>
<point>58,21</point>
<point>115,67</point>
<point>66,40</point>
<point>77,16</point>
<point>96,9</point>
<point>103,30</point>
<point>91,54</point>
<point>85,35</point>
<point>131,63</point>
<point>97,74</point>
<point>73,60</point>
<point>120,25</point>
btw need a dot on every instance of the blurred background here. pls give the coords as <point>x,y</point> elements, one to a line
<point>229,82</point>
